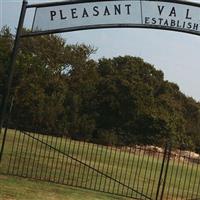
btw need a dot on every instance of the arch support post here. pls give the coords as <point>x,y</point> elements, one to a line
<point>5,101</point>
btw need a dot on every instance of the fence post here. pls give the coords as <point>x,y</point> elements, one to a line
<point>10,77</point>
<point>166,169</point>
<point>5,132</point>
<point>165,156</point>
<point>12,64</point>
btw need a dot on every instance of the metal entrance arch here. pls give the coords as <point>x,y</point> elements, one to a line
<point>172,19</point>
<point>181,16</point>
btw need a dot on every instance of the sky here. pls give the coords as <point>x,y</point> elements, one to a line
<point>176,54</point>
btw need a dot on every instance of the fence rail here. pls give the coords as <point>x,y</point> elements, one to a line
<point>138,172</point>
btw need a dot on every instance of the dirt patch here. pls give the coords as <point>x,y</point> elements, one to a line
<point>2,177</point>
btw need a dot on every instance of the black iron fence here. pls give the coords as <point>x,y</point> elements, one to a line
<point>138,172</point>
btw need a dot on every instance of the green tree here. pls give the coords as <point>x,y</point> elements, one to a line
<point>59,89</point>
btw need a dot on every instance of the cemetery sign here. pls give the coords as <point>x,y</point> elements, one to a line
<point>80,15</point>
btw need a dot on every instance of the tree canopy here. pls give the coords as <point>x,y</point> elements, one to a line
<point>58,89</point>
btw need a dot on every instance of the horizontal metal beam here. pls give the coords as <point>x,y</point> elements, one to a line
<point>38,33</point>
<point>59,3</point>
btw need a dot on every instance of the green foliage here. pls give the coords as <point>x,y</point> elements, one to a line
<point>58,89</point>
<point>6,42</point>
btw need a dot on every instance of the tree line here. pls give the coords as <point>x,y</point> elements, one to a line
<point>58,89</point>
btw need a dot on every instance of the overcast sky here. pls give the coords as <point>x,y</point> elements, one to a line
<point>176,54</point>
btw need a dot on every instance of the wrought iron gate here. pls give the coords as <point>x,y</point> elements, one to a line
<point>139,172</point>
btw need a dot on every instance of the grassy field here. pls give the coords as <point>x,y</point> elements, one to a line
<point>137,173</point>
<point>15,188</point>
